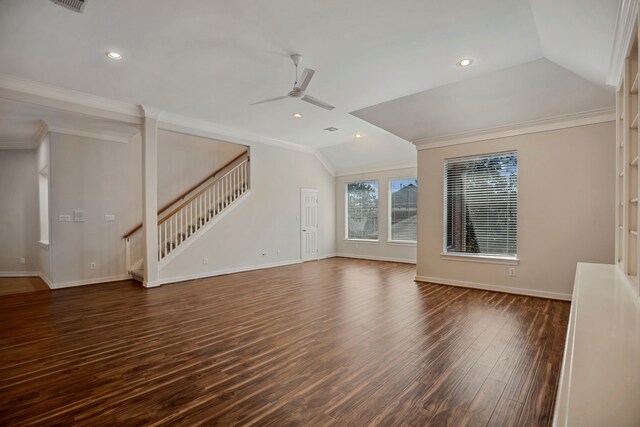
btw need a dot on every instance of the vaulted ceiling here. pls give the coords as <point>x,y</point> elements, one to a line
<point>210,59</point>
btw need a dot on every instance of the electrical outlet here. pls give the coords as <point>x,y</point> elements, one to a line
<point>205,261</point>
<point>278,252</point>
<point>512,271</point>
<point>108,217</point>
<point>64,218</point>
<point>92,266</point>
<point>23,261</point>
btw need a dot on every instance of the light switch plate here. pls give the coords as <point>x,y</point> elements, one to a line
<point>78,215</point>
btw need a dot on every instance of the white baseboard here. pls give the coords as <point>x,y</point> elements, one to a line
<point>89,281</point>
<point>376,258</point>
<point>206,274</point>
<point>496,288</point>
<point>19,274</point>
<point>45,279</point>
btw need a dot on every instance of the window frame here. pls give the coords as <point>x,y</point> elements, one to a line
<point>390,238</point>
<point>479,257</point>
<point>346,212</point>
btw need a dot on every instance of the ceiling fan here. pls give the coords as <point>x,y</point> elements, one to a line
<point>298,89</point>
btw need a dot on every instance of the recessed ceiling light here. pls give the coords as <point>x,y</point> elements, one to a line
<point>297,115</point>
<point>358,135</point>
<point>465,62</point>
<point>114,55</point>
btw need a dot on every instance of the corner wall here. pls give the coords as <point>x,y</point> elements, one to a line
<point>382,249</point>
<point>565,210</point>
<point>19,211</point>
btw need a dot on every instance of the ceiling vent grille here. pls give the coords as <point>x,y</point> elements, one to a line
<point>331,129</point>
<point>75,5</point>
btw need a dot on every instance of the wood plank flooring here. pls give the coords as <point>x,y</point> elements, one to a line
<point>18,285</point>
<point>334,342</point>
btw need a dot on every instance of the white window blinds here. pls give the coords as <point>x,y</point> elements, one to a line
<point>481,205</point>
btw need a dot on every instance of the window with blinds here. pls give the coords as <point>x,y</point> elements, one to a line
<point>403,198</point>
<point>362,210</point>
<point>481,205</point>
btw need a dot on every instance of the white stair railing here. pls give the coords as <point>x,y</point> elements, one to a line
<point>201,208</point>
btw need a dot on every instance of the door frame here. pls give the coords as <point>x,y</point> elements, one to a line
<point>302,190</point>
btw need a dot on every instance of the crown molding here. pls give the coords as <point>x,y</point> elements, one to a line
<point>375,170</point>
<point>91,134</point>
<point>622,41</point>
<point>327,165</point>
<point>68,95</point>
<point>190,126</point>
<point>150,112</point>
<point>41,134</point>
<point>553,123</point>
<point>6,145</point>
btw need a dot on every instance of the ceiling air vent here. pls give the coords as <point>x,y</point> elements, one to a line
<point>75,5</point>
<point>331,129</point>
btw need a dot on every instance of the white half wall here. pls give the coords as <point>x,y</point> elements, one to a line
<point>383,249</point>
<point>19,211</point>
<point>101,178</point>
<point>566,181</point>
<point>267,221</point>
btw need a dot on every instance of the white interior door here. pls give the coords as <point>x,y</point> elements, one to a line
<point>309,224</point>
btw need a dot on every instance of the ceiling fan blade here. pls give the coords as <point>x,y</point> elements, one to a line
<point>305,79</point>
<point>277,98</point>
<point>314,101</point>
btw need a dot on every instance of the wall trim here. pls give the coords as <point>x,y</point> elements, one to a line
<point>495,288</point>
<point>57,93</point>
<point>45,279</point>
<point>374,170</point>
<point>375,258</point>
<point>19,274</point>
<point>177,279</point>
<point>554,123</point>
<point>625,25</point>
<point>90,134</point>
<point>74,283</point>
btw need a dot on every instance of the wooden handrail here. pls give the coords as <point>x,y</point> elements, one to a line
<point>192,198</point>
<point>186,193</point>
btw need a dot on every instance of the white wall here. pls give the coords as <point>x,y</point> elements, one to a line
<point>267,221</point>
<point>184,160</point>
<point>100,178</point>
<point>565,210</point>
<point>19,215</point>
<point>383,249</point>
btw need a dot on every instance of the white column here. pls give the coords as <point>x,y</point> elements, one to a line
<point>150,197</point>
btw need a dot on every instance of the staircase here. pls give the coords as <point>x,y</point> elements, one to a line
<point>195,211</point>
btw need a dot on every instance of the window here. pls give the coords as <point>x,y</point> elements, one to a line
<point>362,210</point>
<point>43,188</point>
<point>481,204</point>
<point>403,210</point>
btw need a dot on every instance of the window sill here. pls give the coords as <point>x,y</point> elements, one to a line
<point>401,242</point>
<point>371,242</point>
<point>44,244</point>
<point>487,259</point>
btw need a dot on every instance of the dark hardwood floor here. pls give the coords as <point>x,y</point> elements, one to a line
<point>334,342</point>
<point>19,285</point>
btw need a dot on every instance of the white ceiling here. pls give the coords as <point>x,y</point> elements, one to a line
<point>532,91</point>
<point>210,59</point>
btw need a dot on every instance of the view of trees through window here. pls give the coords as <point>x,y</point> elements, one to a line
<point>362,210</point>
<point>481,198</point>
<point>404,208</point>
